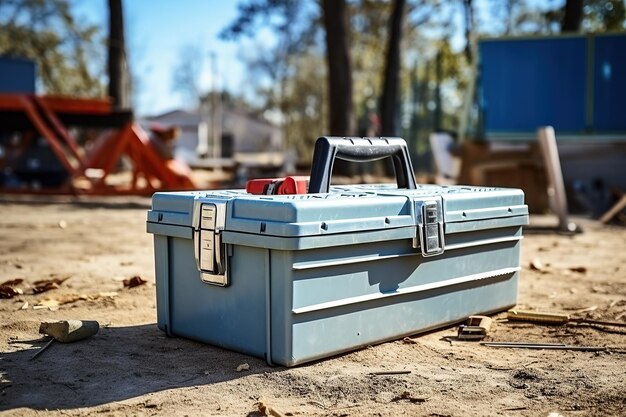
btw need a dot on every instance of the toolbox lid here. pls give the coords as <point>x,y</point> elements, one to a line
<point>345,209</point>
<point>341,215</point>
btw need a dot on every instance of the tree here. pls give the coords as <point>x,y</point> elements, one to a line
<point>573,16</point>
<point>389,101</point>
<point>117,62</point>
<point>604,15</point>
<point>186,75</point>
<point>66,51</point>
<point>341,113</point>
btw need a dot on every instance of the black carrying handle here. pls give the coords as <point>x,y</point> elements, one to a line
<point>359,150</point>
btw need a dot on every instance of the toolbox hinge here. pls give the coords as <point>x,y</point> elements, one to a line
<point>209,251</point>
<point>430,232</point>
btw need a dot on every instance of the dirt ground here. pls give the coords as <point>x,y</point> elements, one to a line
<point>132,368</point>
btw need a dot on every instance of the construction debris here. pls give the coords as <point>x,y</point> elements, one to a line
<point>8,290</point>
<point>243,367</point>
<point>615,210</point>
<point>134,282</point>
<point>476,328</point>
<point>379,373</point>
<point>44,347</point>
<point>551,346</point>
<point>48,284</point>
<point>406,396</point>
<point>268,410</point>
<point>68,331</point>
<point>53,303</point>
<point>536,265</point>
<point>554,318</point>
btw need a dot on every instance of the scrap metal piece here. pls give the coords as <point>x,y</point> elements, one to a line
<point>476,328</point>
<point>551,346</point>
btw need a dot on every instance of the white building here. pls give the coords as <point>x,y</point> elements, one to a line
<point>245,139</point>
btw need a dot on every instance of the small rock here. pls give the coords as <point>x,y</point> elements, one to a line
<point>536,265</point>
<point>243,367</point>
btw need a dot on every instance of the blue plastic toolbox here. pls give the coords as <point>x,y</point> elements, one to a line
<point>294,278</point>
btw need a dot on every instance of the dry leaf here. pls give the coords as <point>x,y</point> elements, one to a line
<point>48,284</point>
<point>12,282</point>
<point>268,410</point>
<point>134,281</point>
<point>9,292</point>
<point>579,269</point>
<point>406,395</point>
<point>59,301</point>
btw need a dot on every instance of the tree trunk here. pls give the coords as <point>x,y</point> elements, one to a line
<point>573,16</point>
<point>117,65</point>
<point>438,106</point>
<point>389,100</point>
<point>341,112</point>
<point>468,14</point>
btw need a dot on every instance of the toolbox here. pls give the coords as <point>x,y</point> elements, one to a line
<point>297,277</point>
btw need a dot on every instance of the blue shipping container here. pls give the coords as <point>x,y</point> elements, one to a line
<point>530,83</point>
<point>609,83</point>
<point>17,75</point>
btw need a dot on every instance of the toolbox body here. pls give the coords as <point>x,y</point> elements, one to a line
<point>294,278</point>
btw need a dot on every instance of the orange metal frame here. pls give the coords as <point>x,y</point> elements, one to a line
<point>130,141</point>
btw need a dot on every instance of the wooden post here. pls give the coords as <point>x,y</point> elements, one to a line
<point>556,186</point>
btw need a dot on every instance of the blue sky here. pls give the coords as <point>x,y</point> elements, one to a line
<point>157,30</point>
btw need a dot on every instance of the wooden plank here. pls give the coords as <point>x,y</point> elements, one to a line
<point>556,188</point>
<point>612,212</point>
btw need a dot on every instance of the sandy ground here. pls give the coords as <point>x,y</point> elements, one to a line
<point>131,368</point>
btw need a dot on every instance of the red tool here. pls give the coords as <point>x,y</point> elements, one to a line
<point>278,186</point>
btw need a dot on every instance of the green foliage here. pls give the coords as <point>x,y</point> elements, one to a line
<point>64,49</point>
<point>290,74</point>
<point>604,15</point>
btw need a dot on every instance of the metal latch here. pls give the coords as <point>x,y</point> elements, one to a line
<point>429,214</point>
<point>210,252</point>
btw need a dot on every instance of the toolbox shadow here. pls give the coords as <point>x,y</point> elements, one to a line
<point>117,364</point>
